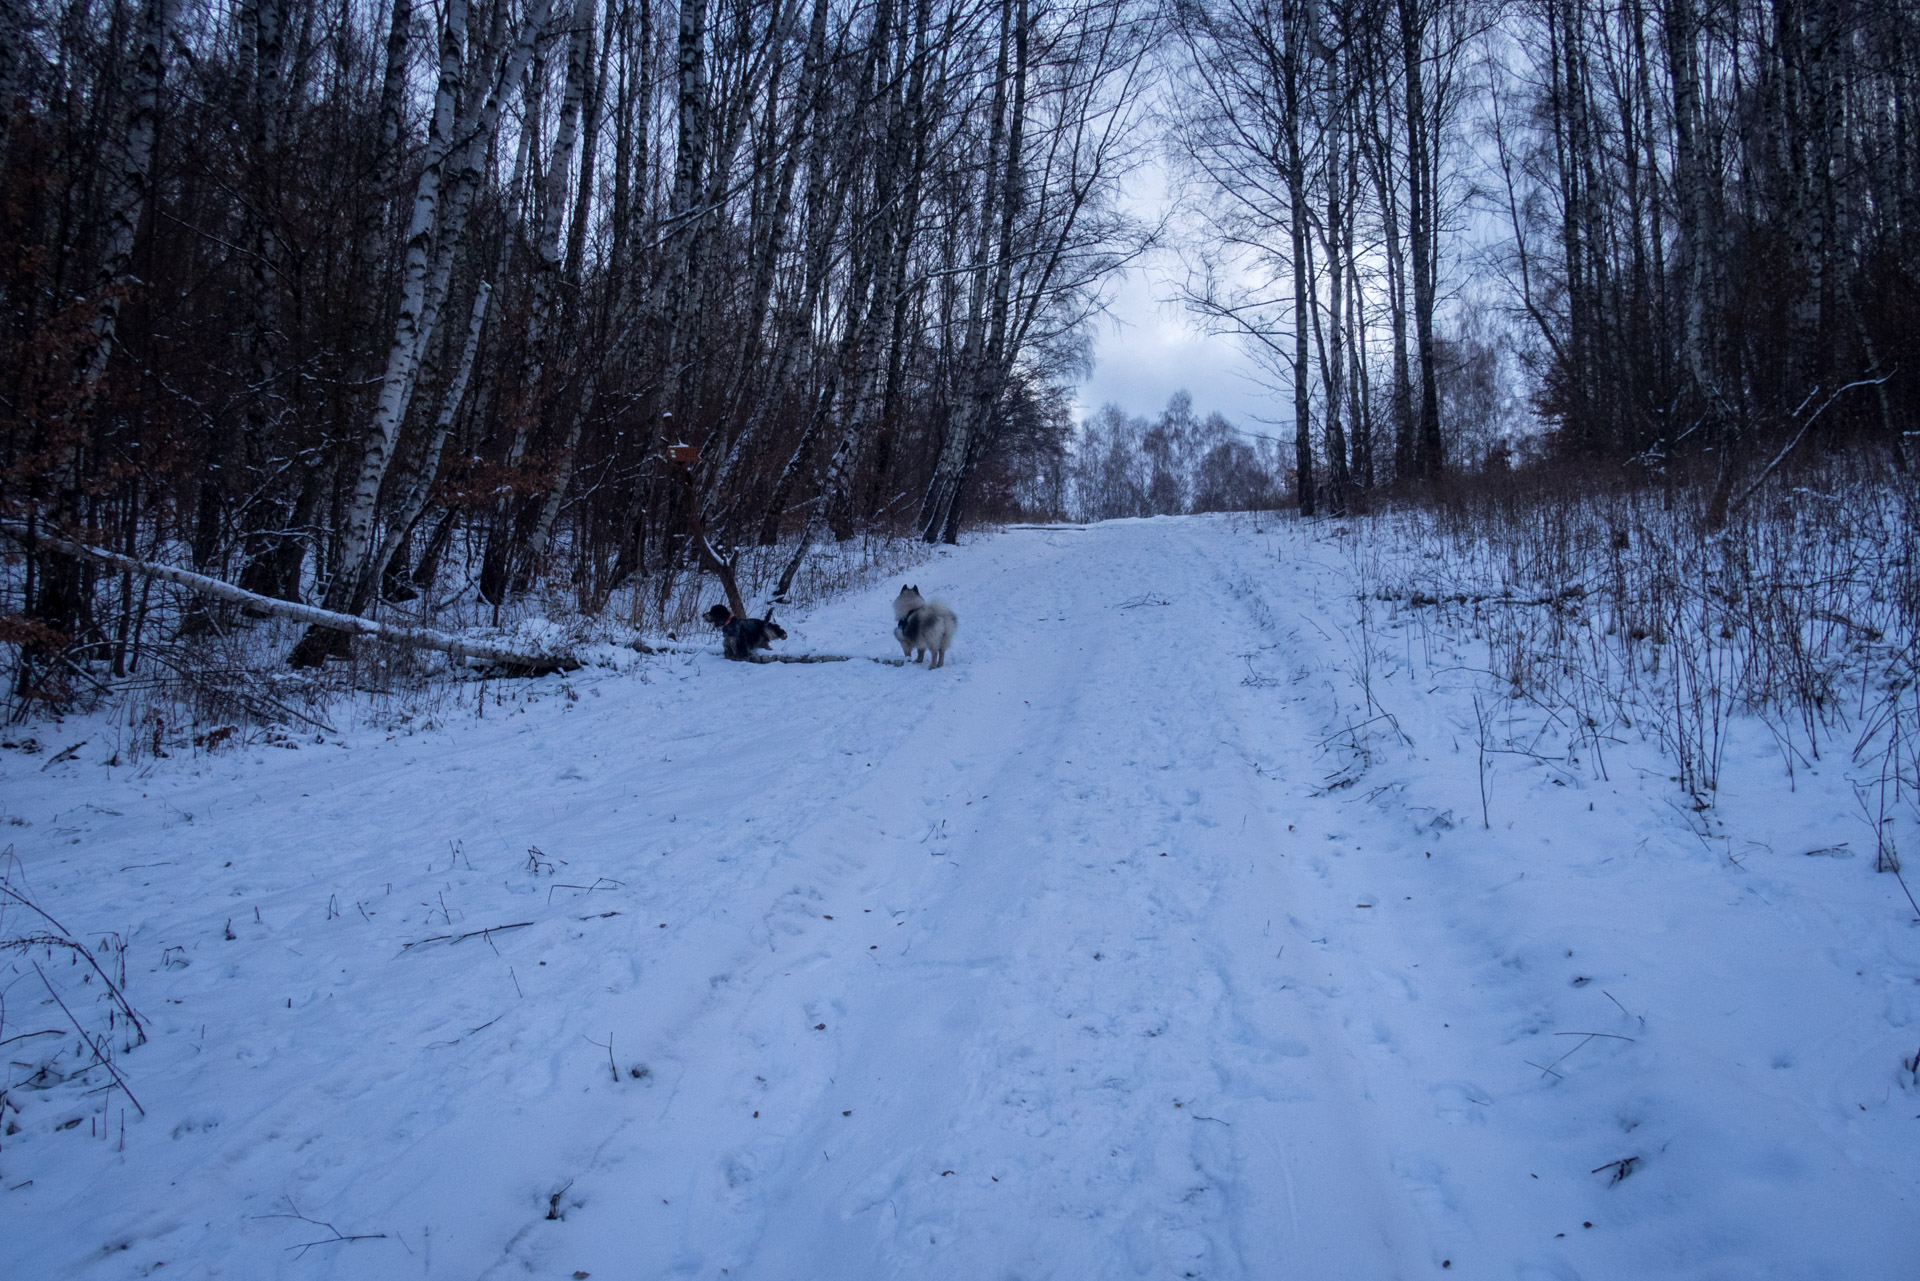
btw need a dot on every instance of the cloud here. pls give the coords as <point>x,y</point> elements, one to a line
<point>1148,349</point>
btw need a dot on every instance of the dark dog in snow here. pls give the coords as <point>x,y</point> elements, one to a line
<point>739,637</point>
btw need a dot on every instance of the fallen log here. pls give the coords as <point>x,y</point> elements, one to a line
<point>460,649</point>
<point>656,647</point>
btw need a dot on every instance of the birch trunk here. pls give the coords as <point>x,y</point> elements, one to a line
<point>403,354</point>
<point>435,236</point>
<point>263,22</point>
<point>556,493</point>
<point>458,648</point>
<point>1381,148</point>
<point>126,199</point>
<point>58,586</point>
<point>415,501</point>
<point>1001,153</point>
<point>1296,178</point>
<point>823,213</point>
<point>542,534</point>
<point>1359,384</point>
<point>773,243</point>
<point>1336,241</point>
<point>386,164</point>
<point>1690,183</point>
<point>916,112</point>
<point>1422,220</point>
<point>553,217</point>
<point>853,341</point>
<point>689,168</point>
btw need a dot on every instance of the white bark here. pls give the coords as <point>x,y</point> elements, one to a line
<point>553,216</point>
<point>989,355</point>
<point>264,21</point>
<point>426,272</point>
<point>416,499</point>
<point>127,197</point>
<point>403,355</point>
<point>1690,187</point>
<point>392,91</point>
<point>945,483</point>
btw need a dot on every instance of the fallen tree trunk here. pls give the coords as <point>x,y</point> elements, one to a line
<point>655,647</point>
<point>457,648</point>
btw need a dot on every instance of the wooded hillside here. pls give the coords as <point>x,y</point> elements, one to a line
<point>323,299</point>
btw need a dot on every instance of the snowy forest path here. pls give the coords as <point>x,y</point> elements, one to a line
<point>1163,932</point>
<point>1073,1049</point>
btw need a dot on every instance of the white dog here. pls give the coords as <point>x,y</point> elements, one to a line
<point>923,626</point>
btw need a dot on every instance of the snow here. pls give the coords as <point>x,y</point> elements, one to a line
<point>1135,942</point>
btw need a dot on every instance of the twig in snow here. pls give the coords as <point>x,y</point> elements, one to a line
<point>1623,1009</point>
<point>64,754</point>
<point>337,1237</point>
<point>490,931</point>
<point>1621,1168</point>
<point>67,941</point>
<point>599,882</point>
<point>1609,1035</point>
<point>104,1061</point>
<point>1588,1036</point>
<point>1480,721</point>
<point>1352,728</point>
<point>611,1066</point>
<point>450,939</point>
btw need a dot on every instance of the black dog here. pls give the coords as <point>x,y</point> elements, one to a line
<point>741,636</point>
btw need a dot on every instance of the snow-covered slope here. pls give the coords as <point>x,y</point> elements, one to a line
<point>1132,943</point>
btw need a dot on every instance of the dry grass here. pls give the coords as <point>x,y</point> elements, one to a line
<point>1612,607</point>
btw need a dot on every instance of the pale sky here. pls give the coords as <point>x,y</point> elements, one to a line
<point>1150,348</point>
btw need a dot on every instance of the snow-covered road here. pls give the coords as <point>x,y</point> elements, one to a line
<point>1079,958</point>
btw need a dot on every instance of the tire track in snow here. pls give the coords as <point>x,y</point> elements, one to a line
<point>1079,1058</point>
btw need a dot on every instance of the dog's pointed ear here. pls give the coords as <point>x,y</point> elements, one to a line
<point>769,613</point>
